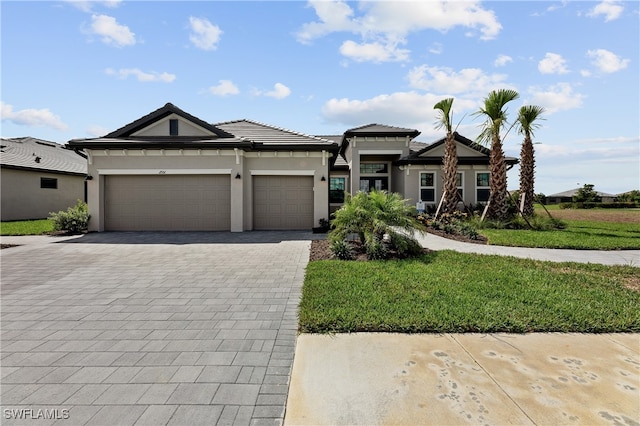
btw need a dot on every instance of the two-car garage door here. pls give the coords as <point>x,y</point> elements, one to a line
<point>203,202</point>
<point>167,203</point>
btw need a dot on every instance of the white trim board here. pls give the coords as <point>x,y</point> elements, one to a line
<point>282,172</point>
<point>164,171</point>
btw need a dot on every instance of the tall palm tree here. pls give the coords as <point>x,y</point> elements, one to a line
<point>526,124</point>
<point>450,162</point>
<point>496,118</point>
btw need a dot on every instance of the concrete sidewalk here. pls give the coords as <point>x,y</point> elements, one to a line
<point>453,379</point>
<point>604,257</point>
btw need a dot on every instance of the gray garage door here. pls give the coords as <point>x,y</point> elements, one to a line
<point>282,202</point>
<point>168,203</point>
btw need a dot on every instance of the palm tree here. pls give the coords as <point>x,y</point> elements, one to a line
<point>526,124</point>
<point>496,119</point>
<point>450,162</point>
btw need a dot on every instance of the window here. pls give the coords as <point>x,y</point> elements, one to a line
<point>373,168</point>
<point>49,183</point>
<point>336,189</point>
<point>460,185</point>
<point>482,187</point>
<point>374,176</point>
<point>427,187</point>
<point>173,127</point>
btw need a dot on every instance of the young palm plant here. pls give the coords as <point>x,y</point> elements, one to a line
<point>526,123</point>
<point>496,118</point>
<point>450,161</point>
<point>371,216</point>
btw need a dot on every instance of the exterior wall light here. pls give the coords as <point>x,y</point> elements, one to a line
<point>323,179</point>
<point>238,176</point>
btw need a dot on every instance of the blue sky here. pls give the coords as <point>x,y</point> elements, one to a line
<point>84,68</point>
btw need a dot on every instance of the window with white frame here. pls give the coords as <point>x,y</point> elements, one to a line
<point>460,185</point>
<point>482,187</point>
<point>428,187</point>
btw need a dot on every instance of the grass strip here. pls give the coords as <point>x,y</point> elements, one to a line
<point>446,292</point>
<point>26,227</point>
<point>581,235</point>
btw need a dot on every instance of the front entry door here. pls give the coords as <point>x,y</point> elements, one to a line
<point>379,183</point>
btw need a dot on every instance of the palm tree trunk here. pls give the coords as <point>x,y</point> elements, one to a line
<point>450,175</point>
<point>527,166</point>
<point>498,208</point>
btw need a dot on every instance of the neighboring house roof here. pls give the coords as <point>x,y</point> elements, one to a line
<point>266,136</point>
<point>422,156</point>
<point>166,110</point>
<point>572,192</point>
<point>33,154</point>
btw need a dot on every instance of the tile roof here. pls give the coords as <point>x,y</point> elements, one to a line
<point>35,154</point>
<point>270,135</point>
<point>572,192</point>
<point>381,129</point>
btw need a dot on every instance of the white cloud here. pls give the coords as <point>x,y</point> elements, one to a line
<point>502,60</point>
<point>436,48</point>
<point>446,80</point>
<point>607,62</point>
<point>410,109</point>
<point>611,10</point>
<point>553,64</point>
<point>87,5</point>
<point>31,117</point>
<point>111,32</point>
<point>373,52</point>
<point>224,88</point>
<point>97,131</point>
<point>280,91</point>
<point>144,77</point>
<point>385,25</point>
<point>559,97</point>
<point>204,34</point>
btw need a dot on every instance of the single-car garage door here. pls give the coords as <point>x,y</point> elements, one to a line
<point>282,202</point>
<point>167,203</point>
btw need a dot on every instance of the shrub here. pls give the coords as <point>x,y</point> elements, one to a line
<point>376,249</point>
<point>372,215</point>
<point>74,220</point>
<point>342,250</point>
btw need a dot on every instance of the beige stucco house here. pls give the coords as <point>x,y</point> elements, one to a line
<point>170,170</point>
<point>38,177</point>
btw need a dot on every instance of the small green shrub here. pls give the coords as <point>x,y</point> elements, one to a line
<point>376,249</point>
<point>405,245</point>
<point>74,220</point>
<point>341,249</point>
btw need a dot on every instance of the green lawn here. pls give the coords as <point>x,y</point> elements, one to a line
<point>456,292</point>
<point>26,227</point>
<point>579,234</point>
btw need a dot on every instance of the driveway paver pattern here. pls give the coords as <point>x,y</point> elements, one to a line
<point>151,328</point>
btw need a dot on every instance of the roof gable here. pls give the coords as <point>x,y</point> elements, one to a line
<point>468,152</point>
<point>146,125</point>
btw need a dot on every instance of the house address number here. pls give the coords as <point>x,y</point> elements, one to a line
<point>162,172</point>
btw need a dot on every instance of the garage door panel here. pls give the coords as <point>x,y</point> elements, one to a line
<point>283,202</point>
<point>168,203</point>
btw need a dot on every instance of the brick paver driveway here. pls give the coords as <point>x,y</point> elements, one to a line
<point>151,328</point>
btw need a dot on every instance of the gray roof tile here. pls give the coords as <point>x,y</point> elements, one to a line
<point>266,134</point>
<point>36,154</point>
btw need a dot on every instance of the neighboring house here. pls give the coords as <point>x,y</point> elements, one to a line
<point>567,196</point>
<point>39,177</point>
<point>170,170</point>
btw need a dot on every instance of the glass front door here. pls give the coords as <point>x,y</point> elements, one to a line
<point>379,183</point>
